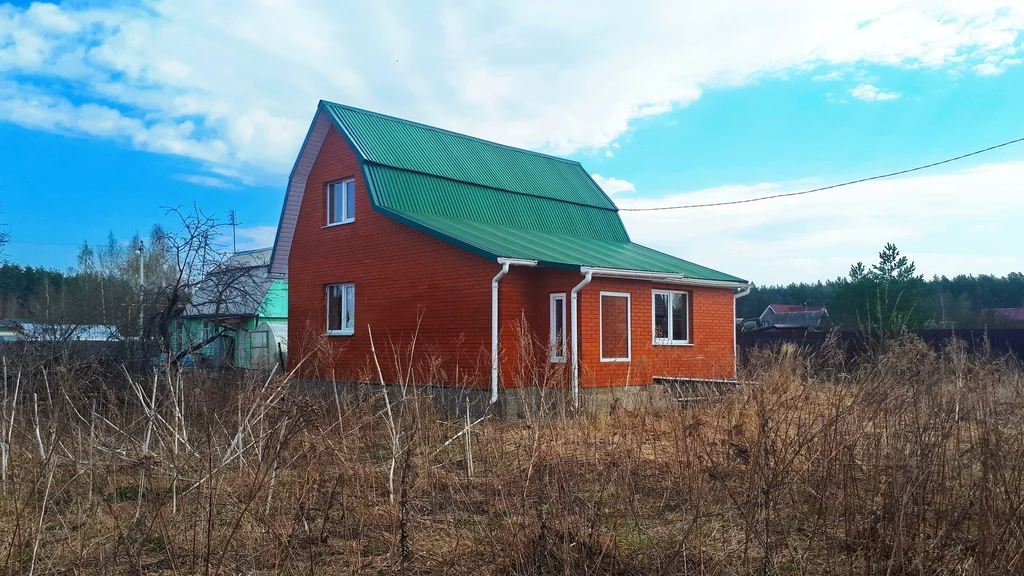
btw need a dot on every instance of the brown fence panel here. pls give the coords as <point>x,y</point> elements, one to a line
<point>1000,342</point>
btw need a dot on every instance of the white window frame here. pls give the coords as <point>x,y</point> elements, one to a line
<point>327,299</point>
<point>629,325</point>
<point>556,346</point>
<point>654,328</point>
<point>346,217</point>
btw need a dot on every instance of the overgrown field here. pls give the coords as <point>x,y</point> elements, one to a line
<point>911,463</point>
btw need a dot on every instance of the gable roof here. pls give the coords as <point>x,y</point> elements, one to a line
<point>236,287</point>
<point>802,319</point>
<point>494,200</point>
<point>1012,314</point>
<point>783,308</point>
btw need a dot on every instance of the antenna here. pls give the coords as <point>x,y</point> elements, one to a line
<point>234,224</point>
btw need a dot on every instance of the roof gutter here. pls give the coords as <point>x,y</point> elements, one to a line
<point>588,275</point>
<point>666,277</point>
<point>505,264</point>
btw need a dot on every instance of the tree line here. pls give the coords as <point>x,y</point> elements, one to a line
<point>141,290</point>
<point>891,294</point>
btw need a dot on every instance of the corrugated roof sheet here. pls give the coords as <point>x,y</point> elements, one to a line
<point>802,319</point>
<point>236,287</point>
<point>496,200</point>
<point>405,191</point>
<point>553,249</point>
<point>408,145</point>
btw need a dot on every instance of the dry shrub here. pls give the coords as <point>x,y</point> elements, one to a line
<point>911,462</point>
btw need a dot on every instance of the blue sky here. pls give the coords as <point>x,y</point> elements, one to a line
<point>109,113</point>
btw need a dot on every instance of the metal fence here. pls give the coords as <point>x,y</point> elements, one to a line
<point>997,341</point>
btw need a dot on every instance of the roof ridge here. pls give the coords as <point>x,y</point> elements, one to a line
<point>454,133</point>
<point>612,208</point>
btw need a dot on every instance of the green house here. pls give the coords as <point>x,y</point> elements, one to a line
<point>236,318</point>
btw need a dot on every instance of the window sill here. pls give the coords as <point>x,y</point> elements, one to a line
<point>614,359</point>
<point>338,224</point>
<point>671,343</point>
<point>557,360</point>
<point>340,333</point>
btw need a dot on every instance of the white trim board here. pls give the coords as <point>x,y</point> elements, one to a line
<point>296,189</point>
<point>629,325</point>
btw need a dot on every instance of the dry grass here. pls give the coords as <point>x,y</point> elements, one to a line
<point>912,463</point>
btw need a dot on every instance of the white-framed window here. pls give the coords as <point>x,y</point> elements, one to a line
<point>341,202</point>
<point>557,339</point>
<point>341,309</point>
<point>615,327</point>
<point>671,317</point>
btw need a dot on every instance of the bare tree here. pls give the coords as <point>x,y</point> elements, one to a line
<point>199,280</point>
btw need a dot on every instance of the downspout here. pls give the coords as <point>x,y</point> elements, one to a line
<point>494,330</point>
<point>588,275</point>
<point>505,263</point>
<point>735,348</point>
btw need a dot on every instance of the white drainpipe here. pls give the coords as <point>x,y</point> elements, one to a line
<point>588,275</point>
<point>735,349</point>
<point>505,263</point>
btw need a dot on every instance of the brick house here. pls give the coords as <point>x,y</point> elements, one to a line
<point>402,229</point>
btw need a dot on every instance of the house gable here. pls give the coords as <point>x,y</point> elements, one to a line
<point>405,282</point>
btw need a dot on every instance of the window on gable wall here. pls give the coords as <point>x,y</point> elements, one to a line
<point>341,202</point>
<point>341,309</point>
<point>557,340</point>
<point>671,317</point>
<point>615,327</point>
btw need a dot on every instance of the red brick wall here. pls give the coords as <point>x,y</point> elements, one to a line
<point>712,331</point>
<point>401,273</point>
<point>526,293</point>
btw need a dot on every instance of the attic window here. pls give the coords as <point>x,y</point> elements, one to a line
<point>671,317</point>
<point>341,202</point>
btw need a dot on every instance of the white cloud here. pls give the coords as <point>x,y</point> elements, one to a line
<point>235,85</point>
<point>613,186</point>
<point>830,77</point>
<point>946,222</point>
<point>988,69</point>
<point>255,237</point>
<point>993,66</point>
<point>870,93</point>
<point>205,180</point>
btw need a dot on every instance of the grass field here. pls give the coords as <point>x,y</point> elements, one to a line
<point>911,463</point>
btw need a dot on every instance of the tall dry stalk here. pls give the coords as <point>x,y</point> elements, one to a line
<point>908,461</point>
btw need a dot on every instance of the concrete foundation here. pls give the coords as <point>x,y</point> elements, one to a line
<point>515,403</point>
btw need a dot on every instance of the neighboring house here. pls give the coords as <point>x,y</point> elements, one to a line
<point>790,317</point>
<point>236,317</point>
<point>1006,317</point>
<point>409,230</point>
<point>12,330</point>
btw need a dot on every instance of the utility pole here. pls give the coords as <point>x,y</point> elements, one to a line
<point>234,224</point>
<point>141,249</point>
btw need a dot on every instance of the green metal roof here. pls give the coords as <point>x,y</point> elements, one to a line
<point>410,146</point>
<point>404,191</point>
<point>495,200</point>
<point>558,250</point>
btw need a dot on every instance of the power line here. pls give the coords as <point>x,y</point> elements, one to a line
<point>34,243</point>
<point>802,192</point>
